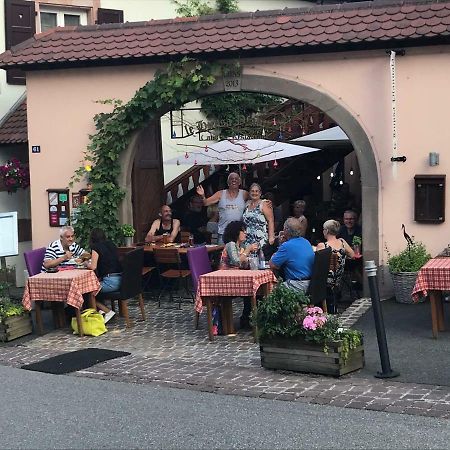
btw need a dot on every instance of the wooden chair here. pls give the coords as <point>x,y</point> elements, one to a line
<point>317,289</point>
<point>131,285</point>
<point>168,263</point>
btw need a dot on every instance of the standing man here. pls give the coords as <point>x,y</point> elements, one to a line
<point>295,256</point>
<point>165,225</point>
<point>350,227</point>
<point>64,250</point>
<point>231,202</point>
<point>195,219</point>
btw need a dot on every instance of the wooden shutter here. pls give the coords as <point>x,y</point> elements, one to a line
<point>20,25</point>
<point>109,16</point>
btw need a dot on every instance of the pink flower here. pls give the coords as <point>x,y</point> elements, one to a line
<point>309,323</point>
<point>314,310</point>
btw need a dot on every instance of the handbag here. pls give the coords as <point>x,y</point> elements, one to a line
<point>92,322</point>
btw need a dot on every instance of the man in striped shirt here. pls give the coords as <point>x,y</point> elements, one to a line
<point>63,251</point>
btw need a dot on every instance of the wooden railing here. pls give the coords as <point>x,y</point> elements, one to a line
<point>185,182</point>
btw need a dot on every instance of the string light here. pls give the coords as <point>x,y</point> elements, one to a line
<point>331,175</point>
<point>341,182</point>
<point>351,171</point>
<point>244,167</point>
<point>275,164</point>
<point>263,133</point>
<point>274,122</point>
<point>318,177</point>
<point>206,148</point>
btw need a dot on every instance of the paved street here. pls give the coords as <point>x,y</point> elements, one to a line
<point>54,411</point>
<point>167,351</point>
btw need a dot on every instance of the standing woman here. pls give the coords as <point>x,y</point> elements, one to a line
<point>231,202</point>
<point>105,262</point>
<point>338,247</point>
<point>258,219</point>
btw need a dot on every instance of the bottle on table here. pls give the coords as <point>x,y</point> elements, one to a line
<point>261,260</point>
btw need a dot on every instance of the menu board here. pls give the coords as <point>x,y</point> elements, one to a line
<point>9,243</point>
<point>58,207</point>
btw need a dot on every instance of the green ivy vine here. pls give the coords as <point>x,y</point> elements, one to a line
<point>180,83</point>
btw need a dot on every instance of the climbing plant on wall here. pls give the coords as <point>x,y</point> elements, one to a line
<point>170,89</point>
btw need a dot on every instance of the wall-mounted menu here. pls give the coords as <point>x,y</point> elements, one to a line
<point>58,207</point>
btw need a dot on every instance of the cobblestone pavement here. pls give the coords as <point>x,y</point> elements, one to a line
<point>166,350</point>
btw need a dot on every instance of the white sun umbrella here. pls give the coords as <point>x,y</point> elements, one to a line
<point>232,151</point>
<point>324,138</point>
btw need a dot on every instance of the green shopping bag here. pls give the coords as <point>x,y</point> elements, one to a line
<point>92,322</point>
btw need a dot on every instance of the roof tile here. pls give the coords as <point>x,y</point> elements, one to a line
<point>13,129</point>
<point>324,25</point>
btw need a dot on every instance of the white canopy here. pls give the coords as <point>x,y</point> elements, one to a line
<point>324,138</point>
<point>231,151</point>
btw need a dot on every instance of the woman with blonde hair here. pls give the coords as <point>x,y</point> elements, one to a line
<point>339,248</point>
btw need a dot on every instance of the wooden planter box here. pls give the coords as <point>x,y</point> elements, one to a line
<point>300,356</point>
<point>15,326</point>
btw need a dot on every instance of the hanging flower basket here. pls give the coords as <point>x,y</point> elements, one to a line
<point>15,175</point>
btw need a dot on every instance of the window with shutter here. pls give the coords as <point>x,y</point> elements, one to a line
<point>20,25</point>
<point>109,16</point>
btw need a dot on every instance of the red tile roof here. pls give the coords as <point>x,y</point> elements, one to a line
<point>13,130</point>
<point>318,28</point>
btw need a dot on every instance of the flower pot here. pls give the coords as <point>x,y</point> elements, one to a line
<point>298,355</point>
<point>128,241</point>
<point>14,327</point>
<point>403,286</point>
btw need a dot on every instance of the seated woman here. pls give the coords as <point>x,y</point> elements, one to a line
<point>105,262</point>
<point>340,249</point>
<point>235,256</point>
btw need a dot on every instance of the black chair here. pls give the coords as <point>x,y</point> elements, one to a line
<point>317,289</point>
<point>131,285</point>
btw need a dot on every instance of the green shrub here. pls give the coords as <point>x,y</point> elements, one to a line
<point>127,230</point>
<point>8,308</point>
<point>411,259</point>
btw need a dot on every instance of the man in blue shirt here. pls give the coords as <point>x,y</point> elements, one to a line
<point>295,256</point>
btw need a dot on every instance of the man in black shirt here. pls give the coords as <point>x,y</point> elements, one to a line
<point>195,219</point>
<point>350,227</point>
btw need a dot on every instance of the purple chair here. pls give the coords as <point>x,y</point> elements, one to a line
<point>199,264</point>
<point>34,260</point>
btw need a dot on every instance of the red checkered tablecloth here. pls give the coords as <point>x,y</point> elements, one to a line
<point>434,275</point>
<point>231,283</point>
<point>65,286</point>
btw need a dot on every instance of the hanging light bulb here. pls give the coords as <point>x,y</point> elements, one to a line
<point>275,164</point>
<point>186,155</point>
<point>341,182</point>
<point>274,122</point>
<point>263,132</point>
<point>174,135</point>
<point>206,148</point>
<point>318,177</point>
<point>331,174</point>
<point>351,171</point>
<point>244,167</point>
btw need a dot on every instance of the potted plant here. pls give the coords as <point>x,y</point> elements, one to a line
<point>403,268</point>
<point>356,243</point>
<point>15,322</point>
<point>15,175</point>
<point>128,233</point>
<point>297,336</point>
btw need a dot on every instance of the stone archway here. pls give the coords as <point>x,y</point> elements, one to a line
<point>294,90</point>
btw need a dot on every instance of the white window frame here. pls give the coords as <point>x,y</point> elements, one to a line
<point>82,13</point>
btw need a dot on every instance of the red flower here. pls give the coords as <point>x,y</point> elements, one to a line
<point>15,175</point>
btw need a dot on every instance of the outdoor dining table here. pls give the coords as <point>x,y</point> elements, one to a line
<point>63,286</point>
<point>231,283</point>
<point>182,249</point>
<point>432,279</point>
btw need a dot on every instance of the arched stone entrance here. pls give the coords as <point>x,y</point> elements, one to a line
<point>294,90</point>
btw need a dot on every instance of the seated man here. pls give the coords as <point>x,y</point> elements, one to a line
<point>64,250</point>
<point>350,227</point>
<point>295,256</point>
<point>165,225</point>
<point>195,219</point>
